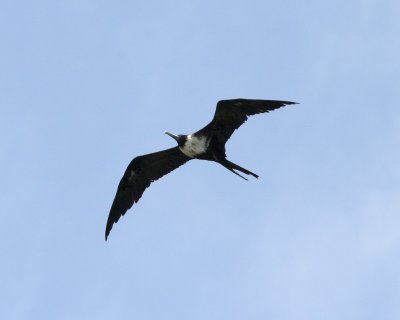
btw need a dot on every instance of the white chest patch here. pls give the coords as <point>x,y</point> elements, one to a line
<point>195,146</point>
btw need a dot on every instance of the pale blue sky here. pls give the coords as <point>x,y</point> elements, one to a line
<point>88,85</point>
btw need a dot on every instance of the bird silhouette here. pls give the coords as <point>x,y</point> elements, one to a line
<point>205,144</point>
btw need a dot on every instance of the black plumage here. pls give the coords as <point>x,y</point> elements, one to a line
<point>205,144</point>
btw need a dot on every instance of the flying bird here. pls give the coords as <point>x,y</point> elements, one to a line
<point>205,144</point>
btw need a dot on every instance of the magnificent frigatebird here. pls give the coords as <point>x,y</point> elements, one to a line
<point>205,144</point>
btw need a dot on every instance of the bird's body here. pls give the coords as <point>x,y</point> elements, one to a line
<point>205,144</point>
<point>195,145</point>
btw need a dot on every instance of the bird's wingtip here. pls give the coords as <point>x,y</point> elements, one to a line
<point>107,232</point>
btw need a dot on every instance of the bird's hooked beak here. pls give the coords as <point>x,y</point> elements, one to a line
<point>174,136</point>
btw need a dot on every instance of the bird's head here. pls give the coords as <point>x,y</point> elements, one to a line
<point>179,138</point>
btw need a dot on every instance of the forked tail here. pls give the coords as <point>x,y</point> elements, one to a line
<point>233,166</point>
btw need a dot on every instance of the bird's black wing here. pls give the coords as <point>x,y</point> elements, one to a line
<point>139,174</point>
<point>231,114</point>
